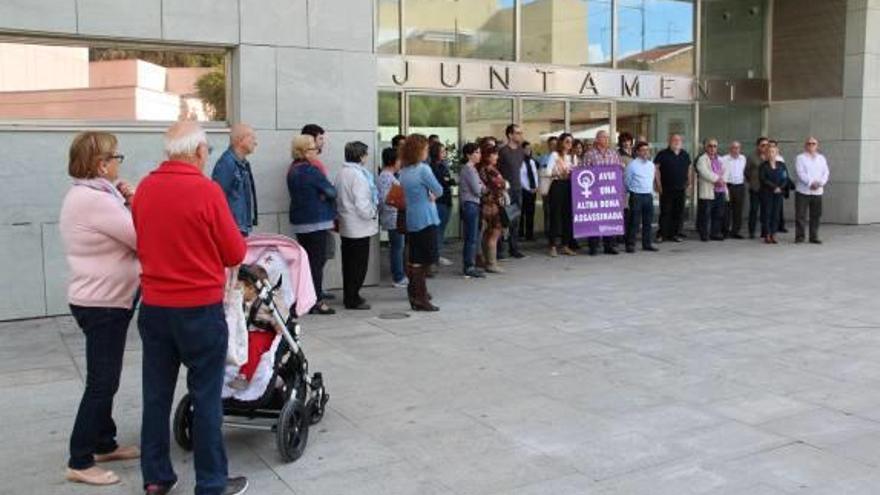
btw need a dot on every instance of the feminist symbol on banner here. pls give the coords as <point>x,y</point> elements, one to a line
<point>586,179</point>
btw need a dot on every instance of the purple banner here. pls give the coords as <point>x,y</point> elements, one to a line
<point>597,201</point>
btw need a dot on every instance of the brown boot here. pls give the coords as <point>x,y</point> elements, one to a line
<point>420,290</point>
<point>410,288</point>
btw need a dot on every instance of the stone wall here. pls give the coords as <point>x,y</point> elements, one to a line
<point>294,62</point>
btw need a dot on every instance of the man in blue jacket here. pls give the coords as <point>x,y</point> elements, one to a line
<point>233,173</point>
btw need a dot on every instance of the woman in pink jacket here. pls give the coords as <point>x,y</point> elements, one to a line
<point>99,242</point>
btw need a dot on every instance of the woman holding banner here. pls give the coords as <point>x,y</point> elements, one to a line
<point>559,167</point>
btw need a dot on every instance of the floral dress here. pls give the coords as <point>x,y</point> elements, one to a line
<point>493,195</point>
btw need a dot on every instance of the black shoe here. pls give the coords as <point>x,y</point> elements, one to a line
<point>611,250</point>
<point>650,248</point>
<point>159,488</point>
<point>815,241</point>
<point>474,273</point>
<point>782,231</point>
<point>717,238</point>
<point>736,236</point>
<point>236,486</point>
<point>326,296</point>
<point>518,255</point>
<point>359,307</point>
<point>322,309</point>
<point>704,239</point>
<point>677,239</point>
<point>630,249</point>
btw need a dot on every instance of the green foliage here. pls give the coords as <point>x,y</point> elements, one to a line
<point>163,58</point>
<point>212,90</point>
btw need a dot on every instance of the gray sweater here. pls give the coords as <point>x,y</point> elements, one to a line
<point>470,187</point>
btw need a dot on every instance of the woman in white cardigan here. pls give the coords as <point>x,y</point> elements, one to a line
<point>357,201</point>
<point>711,193</point>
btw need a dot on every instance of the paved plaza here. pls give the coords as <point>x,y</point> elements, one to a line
<point>722,368</point>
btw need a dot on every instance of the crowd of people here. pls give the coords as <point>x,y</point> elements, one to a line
<point>170,242</point>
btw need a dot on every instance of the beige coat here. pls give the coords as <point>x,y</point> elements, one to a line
<point>706,178</point>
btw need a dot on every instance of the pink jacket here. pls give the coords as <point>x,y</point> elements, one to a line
<point>99,242</point>
<point>299,274</point>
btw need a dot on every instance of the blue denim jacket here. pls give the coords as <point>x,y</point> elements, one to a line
<point>312,196</point>
<point>418,181</point>
<point>235,178</point>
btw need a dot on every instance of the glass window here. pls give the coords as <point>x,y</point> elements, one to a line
<point>575,32</point>
<point>727,123</point>
<point>388,30</point>
<point>486,117</point>
<point>656,35</point>
<point>451,28</point>
<point>733,38</point>
<point>110,83</point>
<point>588,118</point>
<point>654,123</point>
<point>389,117</point>
<point>438,115</point>
<point>540,120</point>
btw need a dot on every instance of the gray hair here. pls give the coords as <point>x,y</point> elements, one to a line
<point>184,138</point>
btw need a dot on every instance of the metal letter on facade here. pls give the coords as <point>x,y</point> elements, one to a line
<point>627,89</point>
<point>589,83</point>
<point>443,75</point>
<point>544,75</point>
<point>397,80</point>
<point>493,75</point>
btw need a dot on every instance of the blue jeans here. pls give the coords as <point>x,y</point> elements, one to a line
<point>641,210</point>
<point>470,213</point>
<point>94,431</point>
<point>443,211</point>
<point>195,337</point>
<point>396,240</point>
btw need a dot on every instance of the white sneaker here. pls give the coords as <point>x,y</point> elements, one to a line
<point>444,261</point>
<point>402,284</point>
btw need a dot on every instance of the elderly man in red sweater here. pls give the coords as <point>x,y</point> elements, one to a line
<point>186,238</point>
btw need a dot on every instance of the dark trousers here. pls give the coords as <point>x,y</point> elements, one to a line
<point>195,337</point>
<point>94,431</point>
<point>527,221</point>
<point>735,208</point>
<point>755,213</point>
<point>771,204</point>
<point>671,213</point>
<point>607,243</point>
<point>711,214</point>
<point>470,214</point>
<point>315,244</point>
<point>804,203</point>
<point>443,211</point>
<point>641,207</point>
<point>513,228</point>
<point>355,261</point>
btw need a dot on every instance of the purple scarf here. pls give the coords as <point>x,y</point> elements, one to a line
<point>717,169</point>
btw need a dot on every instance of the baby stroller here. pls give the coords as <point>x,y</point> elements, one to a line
<point>282,396</point>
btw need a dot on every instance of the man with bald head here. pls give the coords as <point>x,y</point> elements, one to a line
<point>186,239</point>
<point>233,172</point>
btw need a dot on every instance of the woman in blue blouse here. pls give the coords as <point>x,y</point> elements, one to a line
<point>421,190</point>
<point>774,180</point>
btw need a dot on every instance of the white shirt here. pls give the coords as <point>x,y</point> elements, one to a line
<point>639,176</point>
<point>735,168</point>
<point>524,175</point>
<point>810,169</point>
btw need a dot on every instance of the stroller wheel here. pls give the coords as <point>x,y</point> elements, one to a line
<point>183,420</point>
<point>292,432</point>
<point>316,405</point>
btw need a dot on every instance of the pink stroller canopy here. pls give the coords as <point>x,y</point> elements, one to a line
<point>282,256</point>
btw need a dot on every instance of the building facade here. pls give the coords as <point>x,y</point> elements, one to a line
<point>368,69</point>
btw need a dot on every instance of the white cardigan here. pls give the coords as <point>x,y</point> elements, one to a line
<point>358,214</point>
<point>707,178</point>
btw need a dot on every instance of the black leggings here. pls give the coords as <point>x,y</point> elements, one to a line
<point>315,244</point>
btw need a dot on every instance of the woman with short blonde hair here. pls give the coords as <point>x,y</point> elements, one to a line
<point>312,211</point>
<point>99,243</point>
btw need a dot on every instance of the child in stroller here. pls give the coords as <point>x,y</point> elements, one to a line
<point>282,396</point>
<point>262,327</point>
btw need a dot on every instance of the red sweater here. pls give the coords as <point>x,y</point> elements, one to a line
<point>186,236</point>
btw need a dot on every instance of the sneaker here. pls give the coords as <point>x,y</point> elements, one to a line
<point>568,251</point>
<point>444,261</point>
<point>473,273</point>
<point>404,283</point>
<point>159,488</point>
<point>236,486</point>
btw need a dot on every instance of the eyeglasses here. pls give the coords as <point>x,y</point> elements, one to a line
<point>117,156</point>
<point>812,143</point>
<point>711,145</point>
<point>311,149</point>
